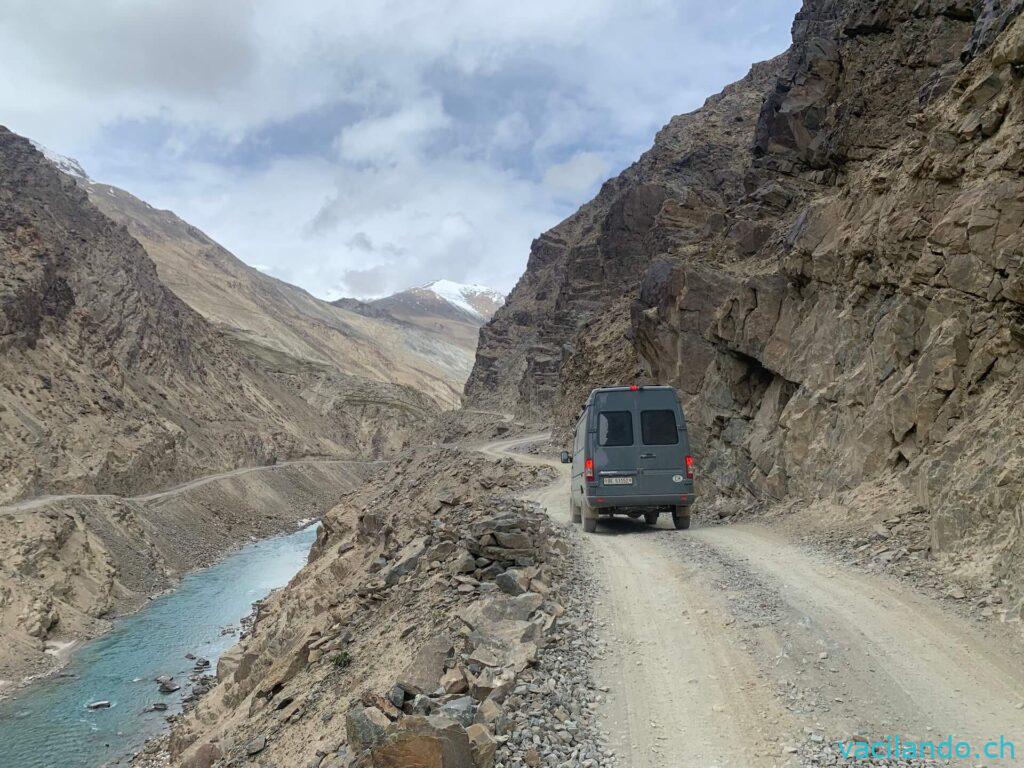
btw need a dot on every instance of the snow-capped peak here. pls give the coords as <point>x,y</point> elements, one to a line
<point>64,164</point>
<point>474,299</point>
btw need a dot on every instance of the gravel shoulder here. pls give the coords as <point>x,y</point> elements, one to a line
<point>735,646</point>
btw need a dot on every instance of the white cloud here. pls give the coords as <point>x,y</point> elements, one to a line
<point>398,134</point>
<point>578,174</point>
<point>369,145</point>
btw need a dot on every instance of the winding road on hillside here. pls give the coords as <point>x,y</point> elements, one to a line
<point>732,646</point>
<point>41,501</point>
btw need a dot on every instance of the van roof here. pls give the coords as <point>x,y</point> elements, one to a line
<point>639,388</point>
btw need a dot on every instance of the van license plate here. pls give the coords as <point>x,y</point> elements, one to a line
<point>618,481</point>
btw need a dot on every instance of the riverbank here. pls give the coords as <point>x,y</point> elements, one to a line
<point>177,637</point>
<point>69,565</point>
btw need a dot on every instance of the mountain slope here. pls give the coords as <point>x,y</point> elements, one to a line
<point>269,313</point>
<point>111,386</point>
<point>446,309</point>
<point>110,382</point>
<point>826,260</point>
<point>477,303</point>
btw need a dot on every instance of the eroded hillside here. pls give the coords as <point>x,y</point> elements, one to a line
<point>275,321</point>
<point>111,383</point>
<point>826,259</point>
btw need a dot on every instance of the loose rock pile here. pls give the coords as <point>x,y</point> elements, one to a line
<point>439,623</point>
<point>501,562</point>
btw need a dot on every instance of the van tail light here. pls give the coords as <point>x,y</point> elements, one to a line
<point>689,467</point>
<point>588,470</point>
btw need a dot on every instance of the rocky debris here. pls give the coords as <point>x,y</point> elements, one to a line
<point>432,742</point>
<point>516,677</point>
<point>396,625</point>
<point>449,701</point>
<point>168,685</point>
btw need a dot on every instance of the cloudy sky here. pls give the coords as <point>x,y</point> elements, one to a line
<point>360,147</point>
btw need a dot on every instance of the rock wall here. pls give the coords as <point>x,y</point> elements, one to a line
<point>597,255</point>
<point>846,307</point>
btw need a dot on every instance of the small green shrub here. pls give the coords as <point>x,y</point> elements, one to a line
<point>341,659</point>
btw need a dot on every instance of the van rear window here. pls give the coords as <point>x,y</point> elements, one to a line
<point>658,427</point>
<point>615,428</point>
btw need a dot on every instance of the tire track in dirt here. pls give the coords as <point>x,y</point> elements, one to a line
<point>731,646</point>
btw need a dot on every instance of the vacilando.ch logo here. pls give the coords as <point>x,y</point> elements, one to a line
<point>950,748</point>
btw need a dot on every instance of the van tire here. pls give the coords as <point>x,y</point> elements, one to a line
<point>681,518</point>
<point>651,518</point>
<point>589,523</point>
<point>575,515</point>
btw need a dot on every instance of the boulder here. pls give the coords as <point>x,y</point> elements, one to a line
<point>423,742</point>
<point>454,681</point>
<point>425,670</point>
<point>407,560</point>
<point>509,584</point>
<point>462,710</point>
<point>365,726</point>
<point>513,540</point>
<point>256,746</point>
<point>464,563</point>
<point>482,744</point>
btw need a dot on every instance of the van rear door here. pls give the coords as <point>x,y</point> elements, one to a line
<point>663,444</point>
<point>615,444</point>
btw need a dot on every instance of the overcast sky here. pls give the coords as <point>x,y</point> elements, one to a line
<point>358,148</point>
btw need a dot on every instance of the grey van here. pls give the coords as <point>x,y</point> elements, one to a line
<point>631,456</point>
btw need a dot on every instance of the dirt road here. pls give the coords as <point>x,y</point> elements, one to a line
<point>731,646</point>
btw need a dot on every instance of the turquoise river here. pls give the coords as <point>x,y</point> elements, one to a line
<point>48,725</point>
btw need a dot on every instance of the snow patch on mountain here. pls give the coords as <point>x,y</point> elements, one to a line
<point>474,299</point>
<point>64,164</point>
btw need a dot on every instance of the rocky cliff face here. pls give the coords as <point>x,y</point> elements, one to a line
<point>577,270</point>
<point>109,381</point>
<point>828,264</point>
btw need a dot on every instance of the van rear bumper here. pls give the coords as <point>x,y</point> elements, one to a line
<point>596,501</point>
